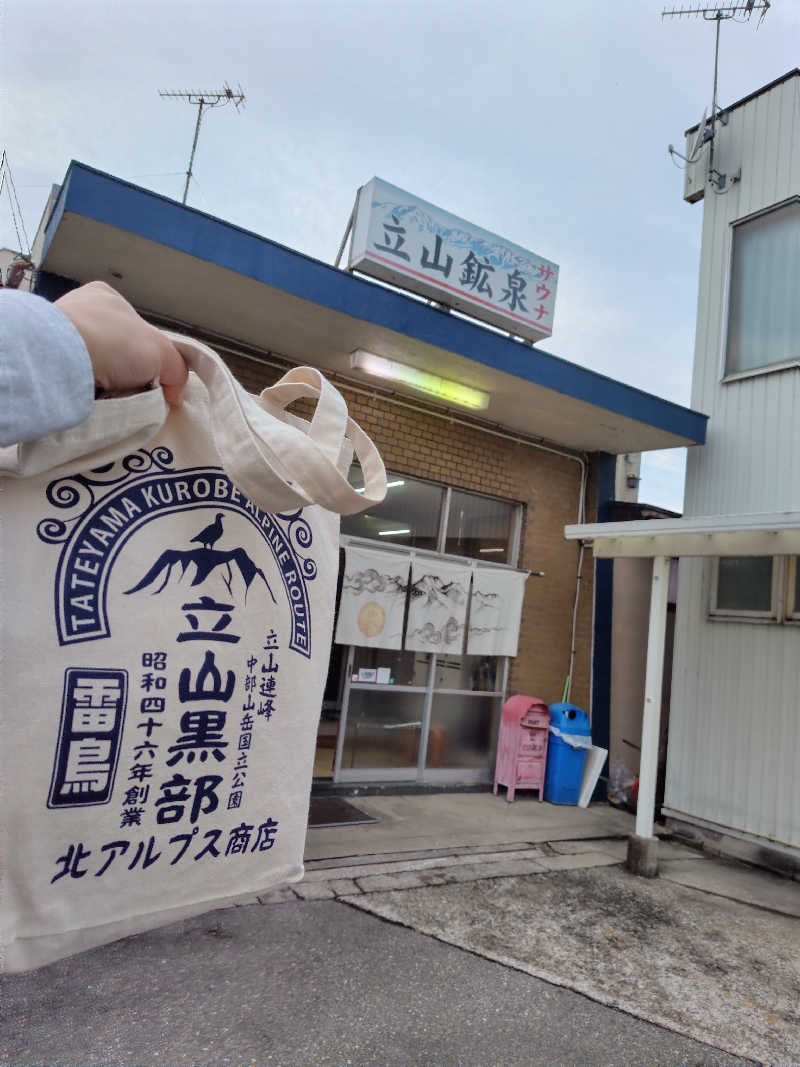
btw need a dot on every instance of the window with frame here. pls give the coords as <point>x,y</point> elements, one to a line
<point>429,714</point>
<point>792,611</point>
<point>479,527</point>
<point>424,515</point>
<point>755,588</point>
<point>409,514</point>
<point>763,308</point>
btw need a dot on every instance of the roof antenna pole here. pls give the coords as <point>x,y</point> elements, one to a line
<point>711,170</point>
<point>194,144</point>
<point>203,98</point>
<point>741,12</point>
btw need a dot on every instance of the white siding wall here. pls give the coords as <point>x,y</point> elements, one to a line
<point>734,753</point>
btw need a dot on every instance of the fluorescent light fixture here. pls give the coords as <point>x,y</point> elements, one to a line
<point>391,533</point>
<point>485,550</point>
<point>431,384</point>
<point>389,485</point>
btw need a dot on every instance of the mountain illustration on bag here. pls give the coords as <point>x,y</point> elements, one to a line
<point>206,560</point>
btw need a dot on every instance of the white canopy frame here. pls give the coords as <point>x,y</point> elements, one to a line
<point>661,540</point>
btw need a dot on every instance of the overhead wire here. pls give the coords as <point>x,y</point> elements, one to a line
<point>27,248</point>
<point>14,217</point>
<point>5,173</point>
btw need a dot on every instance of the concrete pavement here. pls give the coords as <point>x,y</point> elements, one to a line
<point>704,966</point>
<point>311,983</point>
<point>699,962</point>
<point>316,976</point>
<point>422,827</point>
<point>447,820</point>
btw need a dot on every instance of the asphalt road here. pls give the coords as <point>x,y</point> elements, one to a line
<point>311,983</point>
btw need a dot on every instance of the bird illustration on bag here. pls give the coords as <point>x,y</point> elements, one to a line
<point>210,534</point>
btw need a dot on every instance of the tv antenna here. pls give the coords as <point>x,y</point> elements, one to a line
<point>739,13</point>
<point>203,99</point>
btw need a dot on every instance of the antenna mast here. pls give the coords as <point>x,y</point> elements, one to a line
<point>203,98</point>
<point>739,12</point>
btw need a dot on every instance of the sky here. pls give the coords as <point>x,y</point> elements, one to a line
<point>545,123</point>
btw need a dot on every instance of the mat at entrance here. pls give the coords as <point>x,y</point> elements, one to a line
<point>335,811</point>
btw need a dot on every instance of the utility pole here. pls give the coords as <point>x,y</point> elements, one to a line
<point>203,99</point>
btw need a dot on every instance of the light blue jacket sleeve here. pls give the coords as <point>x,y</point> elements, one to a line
<point>46,378</point>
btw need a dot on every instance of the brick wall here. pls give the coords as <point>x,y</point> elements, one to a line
<point>425,446</point>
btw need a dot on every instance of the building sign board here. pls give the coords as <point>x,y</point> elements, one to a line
<point>406,241</point>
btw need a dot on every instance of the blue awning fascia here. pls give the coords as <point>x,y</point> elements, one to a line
<point>92,194</point>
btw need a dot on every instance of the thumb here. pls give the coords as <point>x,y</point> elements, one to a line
<point>173,374</point>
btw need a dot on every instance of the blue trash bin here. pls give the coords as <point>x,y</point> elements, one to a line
<point>564,773</point>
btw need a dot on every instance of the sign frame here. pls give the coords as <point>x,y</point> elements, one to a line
<point>401,239</point>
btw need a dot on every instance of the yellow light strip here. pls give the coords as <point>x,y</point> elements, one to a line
<point>389,485</point>
<point>442,388</point>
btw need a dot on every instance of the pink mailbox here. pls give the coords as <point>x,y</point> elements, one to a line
<point>522,746</point>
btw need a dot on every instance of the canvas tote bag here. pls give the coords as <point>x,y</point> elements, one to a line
<point>167,606</point>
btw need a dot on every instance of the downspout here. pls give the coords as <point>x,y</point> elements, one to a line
<point>578,580</point>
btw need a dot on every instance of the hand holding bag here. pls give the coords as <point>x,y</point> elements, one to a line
<point>168,589</point>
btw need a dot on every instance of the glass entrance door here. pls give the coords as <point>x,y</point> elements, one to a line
<point>331,716</point>
<point>417,717</point>
<point>385,698</point>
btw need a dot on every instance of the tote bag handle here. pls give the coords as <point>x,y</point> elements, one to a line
<point>278,461</point>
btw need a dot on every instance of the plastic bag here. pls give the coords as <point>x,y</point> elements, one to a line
<point>620,783</point>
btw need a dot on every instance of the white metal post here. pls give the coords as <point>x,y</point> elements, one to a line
<point>651,718</point>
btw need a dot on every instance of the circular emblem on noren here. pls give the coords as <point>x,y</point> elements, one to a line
<point>371,619</point>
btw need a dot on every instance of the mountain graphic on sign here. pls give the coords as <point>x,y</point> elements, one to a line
<point>437,591</point>
<point>500,254</point>
<point>204,560</point>
<point>481,601</point>
<point>373,581</point>
<point>429,634</point>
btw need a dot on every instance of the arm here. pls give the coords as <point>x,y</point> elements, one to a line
<point>53,355</point>
<point>46,376</point>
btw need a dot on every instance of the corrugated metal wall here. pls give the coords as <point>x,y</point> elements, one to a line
<point>734,754</point>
